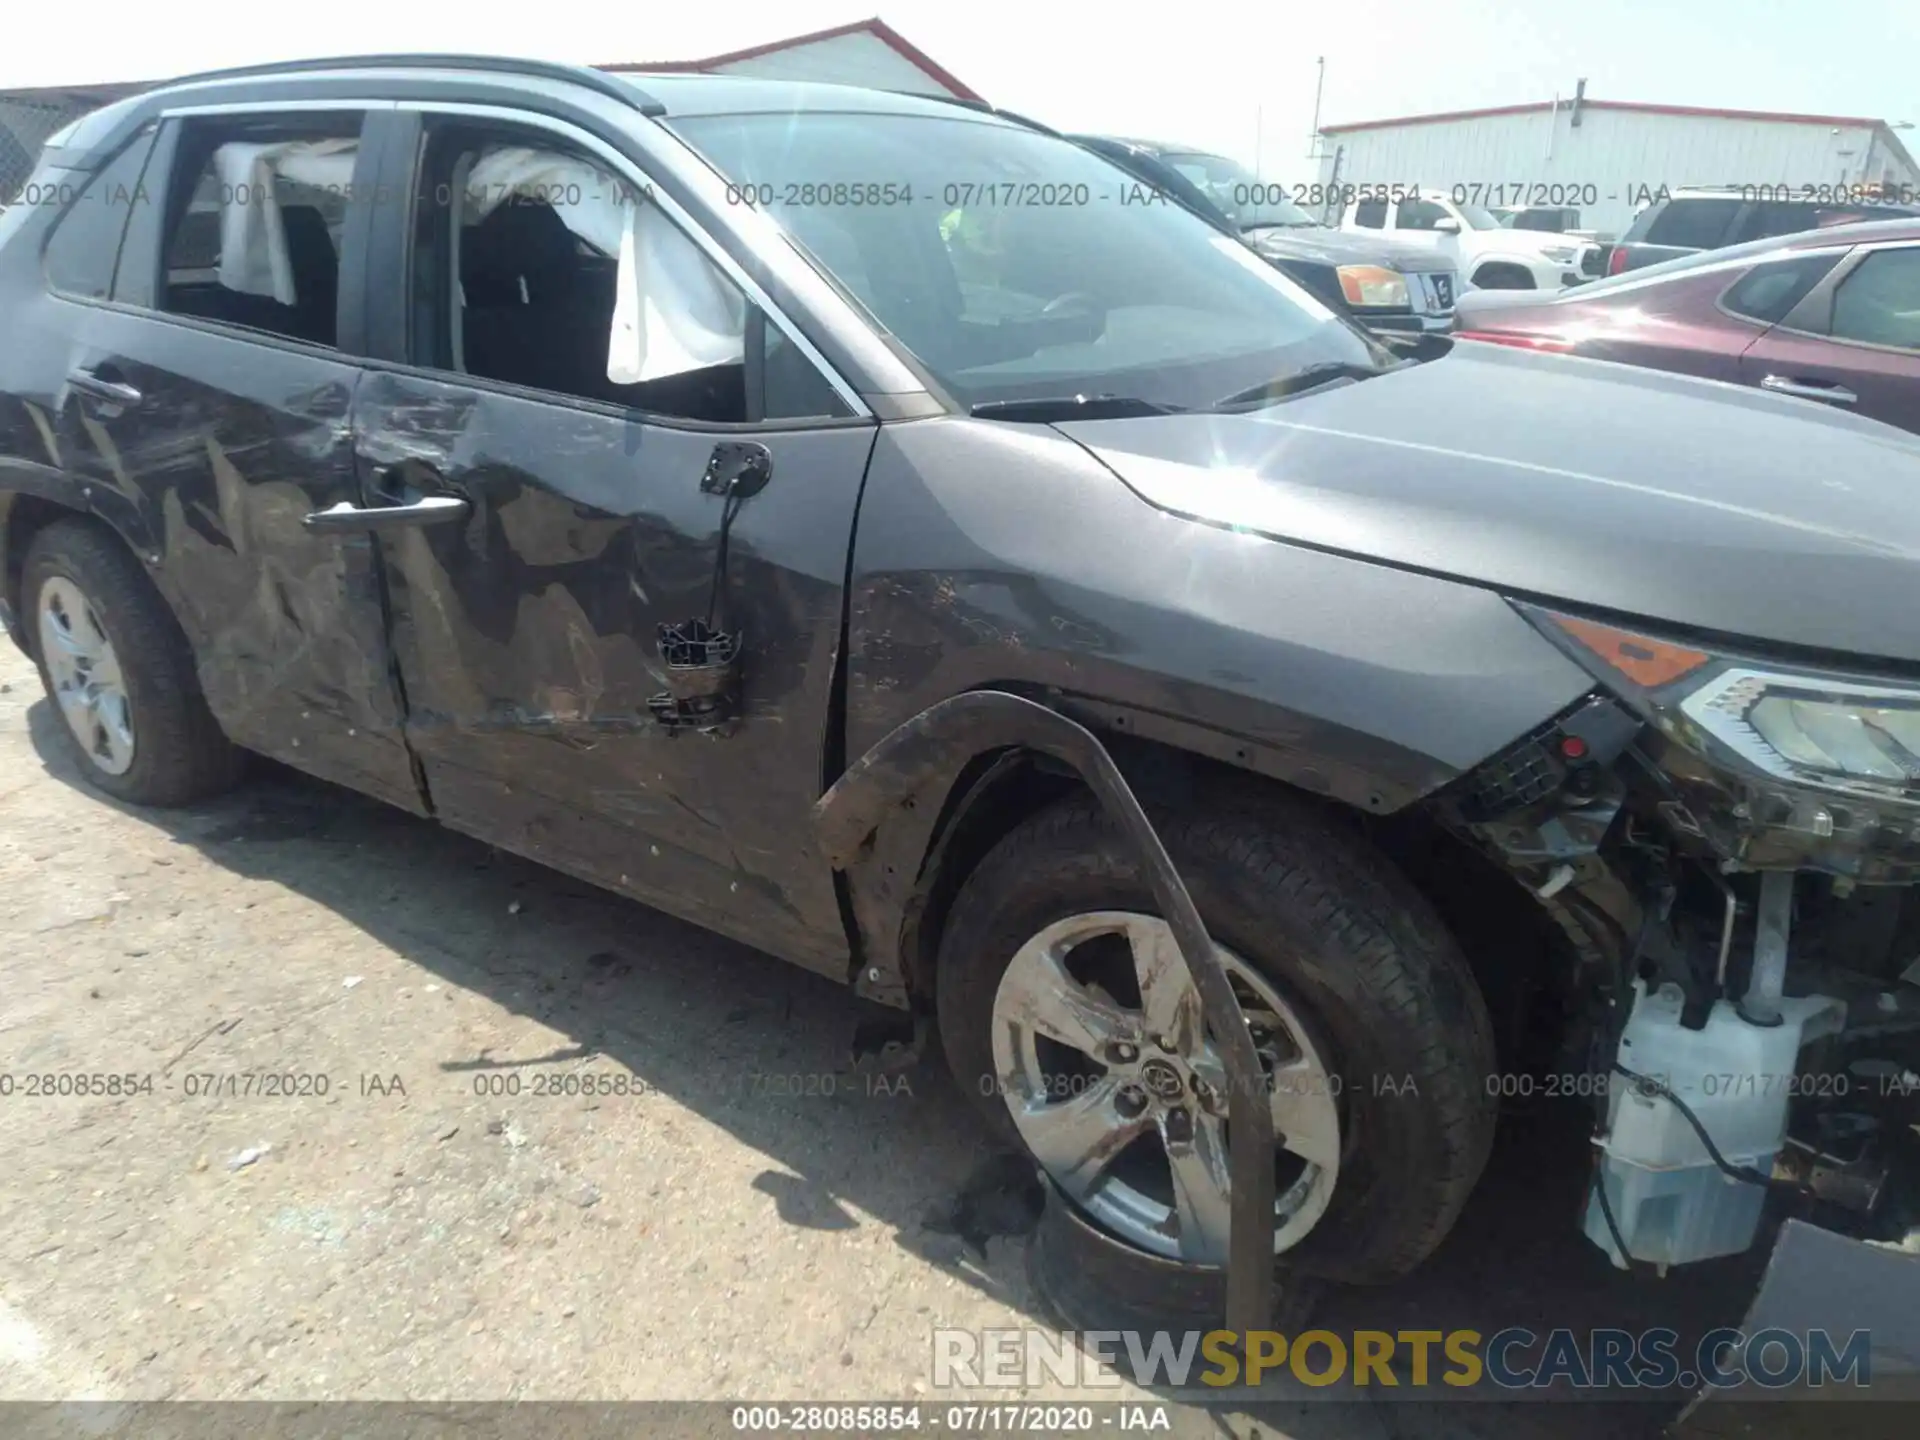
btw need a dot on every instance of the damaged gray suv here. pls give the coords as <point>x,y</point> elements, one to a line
<point>874,529</point>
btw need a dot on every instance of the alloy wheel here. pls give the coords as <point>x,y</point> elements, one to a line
<point>83,674</point>
<point>1104,1062</point>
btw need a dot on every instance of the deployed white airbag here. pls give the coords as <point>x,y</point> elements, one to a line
<point>672,311</point>
<point>253,231</point>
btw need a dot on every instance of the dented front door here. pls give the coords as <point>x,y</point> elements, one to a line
<point>526,628</point>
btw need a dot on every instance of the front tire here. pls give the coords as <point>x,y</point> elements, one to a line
<point>1056,977</point>
<point>119,673</point>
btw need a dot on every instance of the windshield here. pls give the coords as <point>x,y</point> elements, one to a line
<point>1475,217</point>
<point>1015,265</point>
<point>1248,200</point>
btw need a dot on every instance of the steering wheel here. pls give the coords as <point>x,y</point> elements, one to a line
<point>1075,317</point>
<point>1073,302</point>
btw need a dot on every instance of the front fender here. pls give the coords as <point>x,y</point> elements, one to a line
<point>1094,568</point>
<point>930,750</point>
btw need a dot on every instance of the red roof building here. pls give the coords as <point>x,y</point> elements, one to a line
<point>867,52</point>
<point>870,53</point>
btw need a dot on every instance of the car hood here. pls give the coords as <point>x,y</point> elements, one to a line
<point>1598,485</point>
<point>1323,246</point>
<point>1532,242</point>
<point>1486,302</point>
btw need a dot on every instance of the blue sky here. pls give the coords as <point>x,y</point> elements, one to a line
<point>1237,77</point>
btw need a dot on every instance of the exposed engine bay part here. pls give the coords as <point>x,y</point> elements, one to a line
<point>1841,1164</point>
<point>1731,851</point>
<point>1690,1141</point>
<point>1768,981</point>
<point>1765,765</point>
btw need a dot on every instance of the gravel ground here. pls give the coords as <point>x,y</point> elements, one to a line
<point>723,1229</point>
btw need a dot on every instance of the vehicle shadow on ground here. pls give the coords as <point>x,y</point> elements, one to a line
<point>761,1048</point>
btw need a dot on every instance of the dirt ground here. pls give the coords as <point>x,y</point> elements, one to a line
<point>723,1229</point>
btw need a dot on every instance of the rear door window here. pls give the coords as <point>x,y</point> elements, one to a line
<point>1879,303</point>
<point>255,221</point>
<point>1767,292</point>
<point>84,247</point>
<point>1694,224</point>
<point>1370,214</point>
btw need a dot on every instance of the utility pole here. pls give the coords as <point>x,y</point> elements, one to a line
<point>1319,88</point>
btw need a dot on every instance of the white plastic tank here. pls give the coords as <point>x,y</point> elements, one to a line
<point>1672,1203</point>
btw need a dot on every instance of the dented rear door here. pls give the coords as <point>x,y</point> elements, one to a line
<point>208,444</point>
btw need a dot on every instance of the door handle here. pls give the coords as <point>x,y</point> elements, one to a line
<point>117,392</point>
<point>1809,389</point>
<point>346,517</point>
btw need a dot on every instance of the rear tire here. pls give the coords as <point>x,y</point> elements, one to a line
<point>1326,924</point>
<point>119,673</point>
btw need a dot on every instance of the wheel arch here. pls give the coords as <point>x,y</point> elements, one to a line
<point>946,737</point>
<point>1504,265</point>
<point>908,822</point>
<point>30,504</point>
<point>935,819</point>
<point>23,515</point>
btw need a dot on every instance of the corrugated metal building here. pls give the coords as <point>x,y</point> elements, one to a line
<point>866,52</point>
<point>1605,157</point>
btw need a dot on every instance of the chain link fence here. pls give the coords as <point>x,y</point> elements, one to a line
<point>24,127</point>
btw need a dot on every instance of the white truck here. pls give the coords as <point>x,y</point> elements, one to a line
<point>1488,254</point>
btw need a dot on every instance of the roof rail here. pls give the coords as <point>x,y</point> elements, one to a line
<point>983,108</point>
<point>597,80</point>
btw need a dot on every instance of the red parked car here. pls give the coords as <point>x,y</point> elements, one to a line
<point>1832,315</point>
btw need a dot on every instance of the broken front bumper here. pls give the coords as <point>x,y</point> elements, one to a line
<point>1819,1282</point>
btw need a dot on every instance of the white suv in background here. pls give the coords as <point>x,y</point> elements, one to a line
<point>1488,254</point>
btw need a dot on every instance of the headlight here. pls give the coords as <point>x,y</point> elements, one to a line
<point>1372,285</point>
<point>1827,731</point>
<point>1796,725</point>
<point>1559,254</point>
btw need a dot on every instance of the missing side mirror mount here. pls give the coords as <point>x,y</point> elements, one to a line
<point>702,657</point>
<point>703,678</point>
